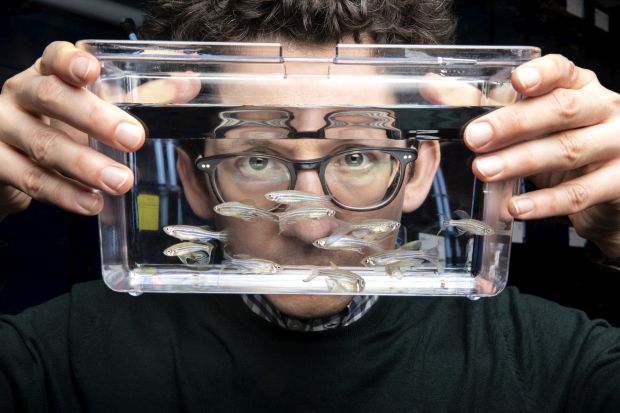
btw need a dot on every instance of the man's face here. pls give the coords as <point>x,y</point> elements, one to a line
<point>248,179</point>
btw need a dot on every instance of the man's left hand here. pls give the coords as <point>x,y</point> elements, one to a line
<point>565,137</point>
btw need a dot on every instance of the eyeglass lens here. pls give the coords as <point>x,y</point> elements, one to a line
<point>356,179</point>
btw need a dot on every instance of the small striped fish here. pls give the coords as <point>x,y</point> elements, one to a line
<point>371,229</point>
<point>291,197</point>
<point>403,257</point>
<point>295,215</point>
<point>191,253</point>
<point>193,233</point>
<point>246,263</point>
<point>339,279</point>
<point>346,243</point>
<point>465,225</point>
<point>243,211</point>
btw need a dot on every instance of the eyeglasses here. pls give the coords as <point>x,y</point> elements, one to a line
<point>357,179</point>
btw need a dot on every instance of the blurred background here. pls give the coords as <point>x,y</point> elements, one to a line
<point>43,251</point>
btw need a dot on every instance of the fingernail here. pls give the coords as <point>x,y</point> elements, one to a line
<point>523,205</point>
<point>529,77</point>
<point>478,134</point>
<point>81,67</point>
<point>490,166</point>
<point>128,135</point>
<point>88,200</point>
<point>114,177</point>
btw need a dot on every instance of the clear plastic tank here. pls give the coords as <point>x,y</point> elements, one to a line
<point>266,170</point>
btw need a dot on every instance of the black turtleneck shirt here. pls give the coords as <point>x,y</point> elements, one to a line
<point>99,351</point>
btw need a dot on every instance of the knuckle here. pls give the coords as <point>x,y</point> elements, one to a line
<point>591,75</point>
<point>9,85</point>
<point>33,181</point>
<point>43,142</point>
<point>53,48</point>
<point>565,103</point>
<point>559,61</point>
<point>511,119</point>
<point>49,90</point>
<point>577,196</point>
<point>571,147</point>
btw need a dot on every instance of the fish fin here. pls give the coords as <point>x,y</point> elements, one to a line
<point>311,277</point>
<point>443,223</point>
<point>331,284</point>
<point>393,270</point>
<point>411,245</point>
<point>333,266</point>
<point>206,227</point>
<point>460,232</point>
<point>462,214</point>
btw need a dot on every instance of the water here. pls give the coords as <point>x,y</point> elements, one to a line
<point>170,190</point>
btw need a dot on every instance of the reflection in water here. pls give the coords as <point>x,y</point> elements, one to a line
<point>272,123</point>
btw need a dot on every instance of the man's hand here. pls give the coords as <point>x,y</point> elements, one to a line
<point>46,115</point>
<point>566,138</point>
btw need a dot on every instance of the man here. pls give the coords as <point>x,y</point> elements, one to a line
<point>97,350</point>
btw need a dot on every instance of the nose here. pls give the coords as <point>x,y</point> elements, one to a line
<point>309,230</point>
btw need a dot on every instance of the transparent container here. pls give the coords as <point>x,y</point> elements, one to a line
<point>269,169</point>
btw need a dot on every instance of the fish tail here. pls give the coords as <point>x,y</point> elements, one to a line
<point>312,276</point>
<point>443,223</point>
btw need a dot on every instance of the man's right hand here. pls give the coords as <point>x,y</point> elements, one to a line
<point>46,116</point>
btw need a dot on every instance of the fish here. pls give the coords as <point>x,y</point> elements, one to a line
<point>194,233</point>
<point>191,253</point>
<point>339,278</point>
<point>243,211</point>
<point>291,197</point>
<point>247,263</point>
<point>465,225</point>
<point>346,243</point>
<point>407,255</point>
<point>370,229</point>
<point>295,215</point>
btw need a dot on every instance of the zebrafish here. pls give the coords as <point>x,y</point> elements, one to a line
<point>407,255</point>
<point>295,215</point>
<point>243,211</point>
<point>465,225</point>
<point>191,253</point>
<point>246,263</point>
<point>193,233</point>
<point>338,278</point>
<point>370,229</point>
<point>346,243</point>
<point>291,197</point>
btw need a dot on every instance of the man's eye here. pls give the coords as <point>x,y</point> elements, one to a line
<point>258,164</point>
<point>354,159</point>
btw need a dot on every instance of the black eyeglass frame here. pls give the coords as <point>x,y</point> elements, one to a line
<point>405,156</point>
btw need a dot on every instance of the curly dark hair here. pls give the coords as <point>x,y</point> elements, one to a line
<point>301,21</point>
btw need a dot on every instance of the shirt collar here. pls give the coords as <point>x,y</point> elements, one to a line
<point>357,308</point>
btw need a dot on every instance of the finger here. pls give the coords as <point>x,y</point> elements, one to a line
<point>50,96</point>
<point>54,149</point>
<point>163,91</point>
<point>558,110</point>
<point>47,186</point>
<point>544,74</point>
<point>440,90</point>
<point>75,134</point>
<point>72,65</point>
<point>564,151</point>
<point>571,196</point>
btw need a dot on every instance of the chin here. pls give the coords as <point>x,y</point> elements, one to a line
<point>309,306</point>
